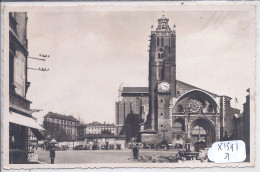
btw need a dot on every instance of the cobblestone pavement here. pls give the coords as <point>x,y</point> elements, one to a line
<point>100,156</point>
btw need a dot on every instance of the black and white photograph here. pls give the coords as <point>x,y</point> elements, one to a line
<point>129,86</point>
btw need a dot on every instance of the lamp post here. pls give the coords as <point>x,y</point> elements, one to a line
<point>164,130</point>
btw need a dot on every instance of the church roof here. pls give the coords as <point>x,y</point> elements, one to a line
<point>216,95</point>
<point>135,90</point>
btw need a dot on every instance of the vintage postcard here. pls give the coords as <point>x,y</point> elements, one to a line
<point>129,85</point>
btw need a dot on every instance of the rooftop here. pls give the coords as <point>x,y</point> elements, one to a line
<point>135,90</point>
<point>89,136</point>
<point>60,116</point>
<point>100,124</point>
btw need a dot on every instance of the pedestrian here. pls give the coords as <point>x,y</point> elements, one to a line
<point>52,154</point>
<point>135,152</point>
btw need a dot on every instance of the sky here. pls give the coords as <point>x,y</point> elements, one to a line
<point>92,52</point>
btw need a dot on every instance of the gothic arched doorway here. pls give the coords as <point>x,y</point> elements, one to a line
<point>202,129</point>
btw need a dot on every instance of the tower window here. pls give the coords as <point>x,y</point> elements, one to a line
<point>161,100</point>
<point>163,26</point>
<point>162,41</point>
<point>161,126</point>
<point>158,41</point>
<point>161,54</point>
<point>161,114</point>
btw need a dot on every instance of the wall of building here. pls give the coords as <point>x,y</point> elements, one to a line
<point>60,129</point>
<point>98,128</point>
<point>131,111</point>
<point>18,134</point>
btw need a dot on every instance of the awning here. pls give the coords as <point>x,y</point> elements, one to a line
<point>23,120</point>
<point>37,134</point>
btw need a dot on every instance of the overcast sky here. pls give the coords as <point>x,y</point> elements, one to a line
<point>93,52</point>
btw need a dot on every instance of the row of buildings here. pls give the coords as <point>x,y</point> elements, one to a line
<point>68,128</point>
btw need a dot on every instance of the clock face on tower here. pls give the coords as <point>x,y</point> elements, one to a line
<point>164,86</point>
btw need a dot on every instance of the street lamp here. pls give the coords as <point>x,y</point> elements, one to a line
<point>164,130</point>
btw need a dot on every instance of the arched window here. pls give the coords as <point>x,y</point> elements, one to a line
<point>158,41</point>
<point>161,54</point>
<point>162,41</point>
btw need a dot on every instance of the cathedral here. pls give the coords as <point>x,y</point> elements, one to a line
<point>170,109</point>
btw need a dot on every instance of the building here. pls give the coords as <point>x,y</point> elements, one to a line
<point>131,110</point>
<point>242,126</point>
<point>177,110</point>
<point>246,125</point>
<point>98,128</point>
<point>20,118</point>
<point>61,127</point>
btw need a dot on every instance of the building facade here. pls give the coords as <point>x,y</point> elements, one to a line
<point>61,127</point>
<point>98,128</point>
<point>20,118</point>
<point>131,110</point>
<point>177,110</point>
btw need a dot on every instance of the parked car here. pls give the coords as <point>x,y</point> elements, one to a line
<point>79,147</point>
<point>88,146</point>
<point>154,146</point>
<point>95,146</point>
<point>65,147</point>
<point>103,147</point>
<point>57,148</point>
<point>146,146</point>
<point>118,146</point>
<point>111,146</point>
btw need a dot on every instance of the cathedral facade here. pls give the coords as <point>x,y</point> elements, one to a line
<point>176,111</point>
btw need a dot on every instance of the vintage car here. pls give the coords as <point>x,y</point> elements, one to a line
<point>57,148</point>
<point>118,146</point>
<point>65,147</point>
<point>95,146</point>
<point>79,147</point>
<point>111,146</point>
<point>146,146</point>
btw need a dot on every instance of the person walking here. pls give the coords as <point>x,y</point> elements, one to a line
<point>52,154</point>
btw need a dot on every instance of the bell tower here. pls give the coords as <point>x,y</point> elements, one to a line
<point>162,73</point>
